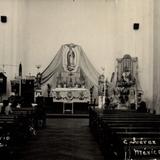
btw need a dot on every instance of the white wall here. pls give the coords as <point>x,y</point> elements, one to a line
<point>12,36</point>
<point>156,62</point>
<point>104,28</point>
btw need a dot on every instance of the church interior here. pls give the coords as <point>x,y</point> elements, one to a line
<point>79,79</point>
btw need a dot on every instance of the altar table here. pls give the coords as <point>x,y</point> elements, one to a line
<point>70,96</point>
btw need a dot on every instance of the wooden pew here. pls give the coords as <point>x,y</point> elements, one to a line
<point>118,131</point>
<point>14,128</point>
<point>7,125</point>
<point>139,144</point>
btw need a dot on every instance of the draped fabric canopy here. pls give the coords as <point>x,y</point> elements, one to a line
<point>57,67</point>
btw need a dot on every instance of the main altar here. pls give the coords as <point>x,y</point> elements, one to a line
<point>68,79</point>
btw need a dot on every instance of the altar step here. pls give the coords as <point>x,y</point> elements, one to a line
<point>67,115</point>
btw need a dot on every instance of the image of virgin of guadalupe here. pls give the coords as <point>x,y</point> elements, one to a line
<point>71,60</point>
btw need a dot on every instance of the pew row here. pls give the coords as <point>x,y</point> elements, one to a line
<point>16,129</point>
<point>126,135</point>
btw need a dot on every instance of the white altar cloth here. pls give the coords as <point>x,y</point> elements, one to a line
<point>71,95</point>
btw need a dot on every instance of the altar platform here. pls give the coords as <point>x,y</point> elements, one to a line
<point>49,115</point>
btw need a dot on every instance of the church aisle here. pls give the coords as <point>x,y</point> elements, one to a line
<point>63,139</point>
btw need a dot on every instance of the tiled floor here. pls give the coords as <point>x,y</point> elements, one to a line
<point>63,139</point>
